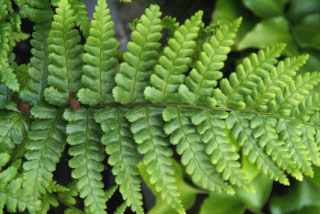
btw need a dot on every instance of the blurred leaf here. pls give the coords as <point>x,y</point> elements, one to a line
<point>222,203</point>
<point>300,196</point>
<point>299,8</point>
<point>313,63</point>
<point>188,193</point>
<point>260,182</point>
<point>227,11</point>
<point>307,33</point>
<point>269,32</point>
<point>266,8</point>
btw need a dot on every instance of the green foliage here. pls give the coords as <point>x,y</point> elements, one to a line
<point>147,131</point>
<point>83,136</point>
<point>140,59</point>
<point>174,101</point>
<point>173,62</point>
<point>100,62</point>
<point>64,61</point>
<point>13,129</point>
<point>11,194</point>
<point>46,141</point>
<point>33,91</point>
<point>123,155</point>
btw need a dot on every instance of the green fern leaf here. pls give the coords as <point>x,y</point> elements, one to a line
<point>123,154</point>
<point>64,51</point>
<point>5,95</point>
<point>239,123</point>
<point>170,23</point>
<point>211,127</point>
<point>189,145</point>
<point>140,59</point>
<point>121,209</point>
<point>11,194</point>
<point>81,14</point>
<point>272,84</point>
<point>240,83</point>
<point>264,130</point>
<point>173,63</point>
<point>146,126</point>
<point>44,147</point>
<point>100,59</point>
<point>13,129</point>
<point>198,89</point>
<point>33,92</point>
<point>294,93</point>
<point>86,149</point>
<point>6,76</point>
<point>36,10</point>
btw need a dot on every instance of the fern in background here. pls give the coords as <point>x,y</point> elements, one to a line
<point>164,104</point>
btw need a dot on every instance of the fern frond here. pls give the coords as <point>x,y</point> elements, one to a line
<point>13,129</point>
<point>290,133</point>
<point>5,95</point>
<point>170,23</point>
<point>294,93</point>
<point>64,51</point>
<point>121,209</point>
<point>36,10</point>
<point>189,145</point>
<point>86,149</point>
<point>146,126</point>
<point>6,76</point>
<point>38,72</point>
<point>81,14</point>
<point>174,62</point>
<point>264,130</point>
<point>44,147</point>
<point>278,78</point>
<point>100,59</point>
<point>123,155</point>
<point>198,89</point>
<point>140,59</point>
<point>211,127</point>
<point>11,194</point>
<point>240,83</point>
<point>239,124</point>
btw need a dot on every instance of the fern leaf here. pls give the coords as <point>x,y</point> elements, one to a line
<point>290,133</point>
<point>11,193</point>
<point>33,92</point>
<point>86,149</point>
<point>140,59</point>
<point>100,59</point>
<point>189,145</point>
<point>173,63</point>
<point>36,10</point>
<point>6,76</point>
<point>121,209</point>
<point>239,123</point>
<point>198,89</point>
<point>146,126</point>
<point>64,51</point>
<point>44,147</point>
<point>123,155</point>
<point>294,93</point>
<point>170,23</point>
<point>5,95</point>
<point>278,78</point>
<point>264,130</point>
<point>211,127</point>
<point>248,74</point>
<point>81,14</point>
<point>13,129</point>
